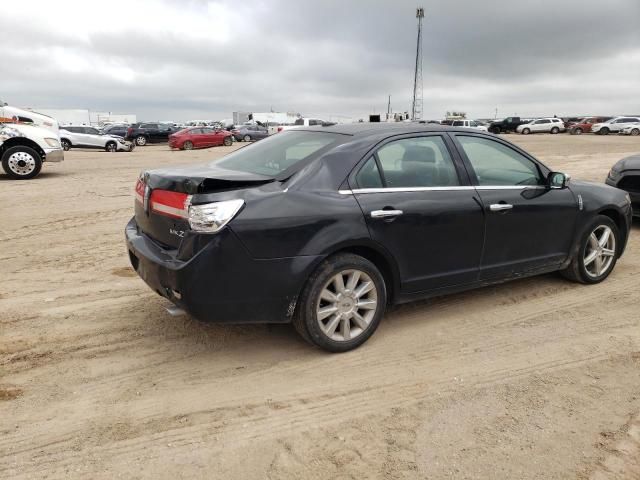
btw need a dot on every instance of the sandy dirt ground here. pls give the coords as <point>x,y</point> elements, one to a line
<point>535,379</point>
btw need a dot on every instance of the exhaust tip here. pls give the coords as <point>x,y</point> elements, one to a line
<point>175,311</point>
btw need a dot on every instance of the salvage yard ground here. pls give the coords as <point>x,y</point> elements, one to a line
<point>539,378</point>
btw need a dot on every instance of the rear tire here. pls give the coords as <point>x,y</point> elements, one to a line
<point>21,162</point>
<point>340,315</point>
<point>584,265</point>
<point>494,130</point>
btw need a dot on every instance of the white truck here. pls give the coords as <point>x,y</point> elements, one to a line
<point>24,148</point>
<point>9,114</point>
<point>304,122</point>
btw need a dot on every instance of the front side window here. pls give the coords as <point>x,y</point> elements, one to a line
<point>195,131</point>
<point>457,123</point>
<point>495,164</point>
<point>417,162</point>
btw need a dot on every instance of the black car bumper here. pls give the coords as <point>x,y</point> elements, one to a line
<point>221,282</point>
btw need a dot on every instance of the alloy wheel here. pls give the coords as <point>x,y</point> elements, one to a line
<point>348,303</point>
<point>600,251</point>
<point>22,163</point>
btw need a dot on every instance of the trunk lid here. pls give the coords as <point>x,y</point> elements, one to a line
<point>163,196</point>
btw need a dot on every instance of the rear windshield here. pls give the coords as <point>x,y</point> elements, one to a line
<point>277,153</point>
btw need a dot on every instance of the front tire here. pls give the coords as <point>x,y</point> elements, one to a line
<point>597,253</point>
<point>66,144</point>
<point>141,140</point>
<point>111,147</point>
<point>555,130</point>
<point>604,131</point>
<point>21,163</point>
<point>247,138</point>
<point>577,131</point>
<point>341,304</point>
<point>187,145</point>
<point>526,131</point>
<point>635,132</point>
<point>227,141</point>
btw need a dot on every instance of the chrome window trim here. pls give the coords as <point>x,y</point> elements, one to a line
<point>436,189</point>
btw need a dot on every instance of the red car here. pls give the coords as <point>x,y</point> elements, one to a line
<point>199,137</point>
<point>584,125</point>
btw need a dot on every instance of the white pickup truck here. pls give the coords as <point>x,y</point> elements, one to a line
<point>304,122</point>
<point>23,149</point>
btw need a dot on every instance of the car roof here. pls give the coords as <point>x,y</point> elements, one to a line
<point>368,129</point>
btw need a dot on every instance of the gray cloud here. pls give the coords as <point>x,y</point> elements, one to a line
<point>528,57</point>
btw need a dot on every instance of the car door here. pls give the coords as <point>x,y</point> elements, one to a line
<point>541,126</point>
<point>528,226</point>
<point>418,204</point>
<point>210,137</point>
<point>93,137</point>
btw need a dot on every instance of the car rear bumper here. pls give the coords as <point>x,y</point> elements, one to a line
<point>53,155</point>
<point>221,282</point>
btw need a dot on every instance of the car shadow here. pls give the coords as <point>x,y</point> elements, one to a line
<point>41,176</point>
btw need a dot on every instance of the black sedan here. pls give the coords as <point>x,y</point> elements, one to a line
<point>325,227</point>
<point>625,175</point>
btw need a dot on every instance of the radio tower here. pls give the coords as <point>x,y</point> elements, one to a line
<point>416,106</point>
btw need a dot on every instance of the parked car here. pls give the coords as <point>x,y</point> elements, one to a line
<point>24,148</point>
<point>119,130</point>
<point>143,133</point>
<point>542,125</point>
<point>507,125</point>
<point>324,227</point>
<point>247,133</point>
<point>199,137</point>
<point>613,125</point>
<point>625,174</point>
<point>469,124</point>
<point>631,129</point>
<point>584,125</point>
<point>80,136</point>
<point>570,121</point>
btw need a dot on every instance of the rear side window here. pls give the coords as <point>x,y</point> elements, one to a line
<point>277,153</point>
<point>417,162</point>
<point>458,123</point>
<point>495,164</point>
<point>369,175</point>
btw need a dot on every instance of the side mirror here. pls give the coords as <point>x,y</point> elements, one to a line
<point>557,180</point>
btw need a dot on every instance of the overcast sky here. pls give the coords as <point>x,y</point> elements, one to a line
<point>206,59</point>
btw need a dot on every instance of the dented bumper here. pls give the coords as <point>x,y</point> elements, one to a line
<point>220,281</point>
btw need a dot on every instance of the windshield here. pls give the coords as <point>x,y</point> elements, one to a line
<point>277,153</point>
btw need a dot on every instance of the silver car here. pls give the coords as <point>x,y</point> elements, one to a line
<point>88,137</point>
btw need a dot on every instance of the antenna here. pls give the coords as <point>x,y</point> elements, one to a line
<point>416,105</point>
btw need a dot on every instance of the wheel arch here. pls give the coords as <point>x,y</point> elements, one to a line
<point>22,141</point>
<point>380,258</point>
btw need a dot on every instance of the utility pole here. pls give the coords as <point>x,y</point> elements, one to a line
<point>416,105</point>
<point>389,107</point>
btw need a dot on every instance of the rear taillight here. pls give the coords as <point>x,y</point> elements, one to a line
<point>140,191</point>
<point>279,129</point>
<point>130,131</point>
<point>171,204</point>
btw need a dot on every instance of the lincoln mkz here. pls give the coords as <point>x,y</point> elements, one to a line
<point>324,227</point>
